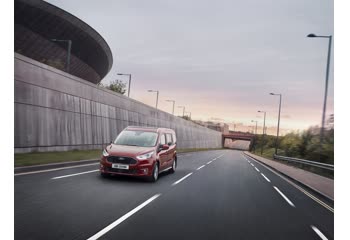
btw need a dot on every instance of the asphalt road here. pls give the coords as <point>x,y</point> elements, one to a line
<point>224,198</point>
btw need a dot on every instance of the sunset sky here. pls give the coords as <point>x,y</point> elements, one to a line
<point>220,59</point>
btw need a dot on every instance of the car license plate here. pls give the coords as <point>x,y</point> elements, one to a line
<point>120,166</point>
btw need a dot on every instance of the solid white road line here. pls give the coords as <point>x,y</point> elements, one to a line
<point>285,198</point>
<point>298,187</point>
<point>181,179</point>
<point>75,174</point>
<point>201,167</point>
<point>123,218</point>
<point>265,177</point>
<point>220,156</point>
<point>257,169</point>
<point>209,162</point>
<point>55,169</point>
<point>319,233</point>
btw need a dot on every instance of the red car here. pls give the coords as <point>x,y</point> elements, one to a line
<point>140,151</point>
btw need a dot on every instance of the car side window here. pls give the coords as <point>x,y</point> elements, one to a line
<point>169,139</point>
<point>174,138</point>
<point>162,139</point>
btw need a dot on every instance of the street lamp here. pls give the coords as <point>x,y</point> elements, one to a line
<point>183,110</point>
<point>68,51</point>
<point>129,85</point>
<point>311,35</point>
<point>263,136</point>
<point>157,96</point>
<point>279,114</point>
<point>256,126</point>
<point>173,101</point>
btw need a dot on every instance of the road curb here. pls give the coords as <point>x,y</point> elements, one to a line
<point>48,166</point>
<point>315,191</point>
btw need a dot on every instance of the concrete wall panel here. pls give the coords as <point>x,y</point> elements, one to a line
<point>55,111</point>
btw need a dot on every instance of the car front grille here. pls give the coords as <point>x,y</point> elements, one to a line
<point>122,160</point>
<point>129,171</point>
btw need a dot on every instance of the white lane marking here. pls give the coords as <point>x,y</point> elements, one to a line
<point>265,177</point>
<point>319,233</point>
<point>209,162</point>
<point>220,156</point>
<point>123,218</point>
<point>285,198</point>
<point>296,186</point>
<point>201,167</point>
<point>54,169</point>
<point>75,174</point>
<point>257,169</point>
<point>181,179</point>
<point>252,164</point>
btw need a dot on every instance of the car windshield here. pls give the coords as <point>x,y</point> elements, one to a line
<point>137,138</point>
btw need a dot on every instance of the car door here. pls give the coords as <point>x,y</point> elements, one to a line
<point>171,149</point>
<point>163,154</point>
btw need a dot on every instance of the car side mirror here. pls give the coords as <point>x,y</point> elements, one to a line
<point>163,147</point>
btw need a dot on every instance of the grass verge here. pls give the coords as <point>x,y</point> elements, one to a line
<point>37,158</point>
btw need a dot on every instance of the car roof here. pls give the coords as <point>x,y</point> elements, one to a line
<point>149,129</point>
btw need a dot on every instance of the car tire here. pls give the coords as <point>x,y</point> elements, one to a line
<point>173,167</point>
<point>104,175</point>
<point>155,173</point>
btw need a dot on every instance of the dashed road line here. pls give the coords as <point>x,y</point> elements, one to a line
<point>319,233</point>
<point>209,162</point>
<point>265,177</point>
<point>181,179</point>
<point>284,196</point>
<point>257,169</point>
<point>75,174</point>
<point>299,188</point>
<point>200,167</point>
<point>123,218</point>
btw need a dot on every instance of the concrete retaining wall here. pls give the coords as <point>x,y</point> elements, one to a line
<point>55,111</point>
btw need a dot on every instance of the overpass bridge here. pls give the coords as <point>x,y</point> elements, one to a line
<point>238,140</point>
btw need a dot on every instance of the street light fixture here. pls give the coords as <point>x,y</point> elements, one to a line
<point>157,96</point>
<point>69,48</point>
<point>279,115</point>
<point>256,126</point>
<point>312,35</point>
<point>264,133</point>
<point>183,110</point>
<point>173,101</point>
<point>129,85</point>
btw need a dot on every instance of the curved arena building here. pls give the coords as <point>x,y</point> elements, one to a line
<point>43,32</point>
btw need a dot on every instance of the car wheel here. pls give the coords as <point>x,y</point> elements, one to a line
<point>155,173</point>
<point>173,167</point>
<point>104,175</point>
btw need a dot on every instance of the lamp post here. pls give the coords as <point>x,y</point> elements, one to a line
<point>183,110</point>
<point>129,85</point>
<point>157,96</point>
<point>256,126</point>
<point>173,101</point>
<point>263,134</point>
<point>69,48</point>
<point>311,35</point>
<point>279,115</point>
<point>256,129</point>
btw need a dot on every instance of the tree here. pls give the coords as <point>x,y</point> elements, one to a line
<point>115,86</point>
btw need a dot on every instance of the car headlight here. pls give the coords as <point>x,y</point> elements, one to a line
<point>145,156</point>
<point>105,153</point>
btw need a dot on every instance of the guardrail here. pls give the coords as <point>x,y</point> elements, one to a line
<point>305,162</point>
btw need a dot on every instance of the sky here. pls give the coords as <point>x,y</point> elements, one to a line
<point>220,59</point>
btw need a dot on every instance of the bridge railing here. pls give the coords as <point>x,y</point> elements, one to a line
<point>305,162</point>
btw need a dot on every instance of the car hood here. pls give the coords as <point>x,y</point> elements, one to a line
<point>127,151</point>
